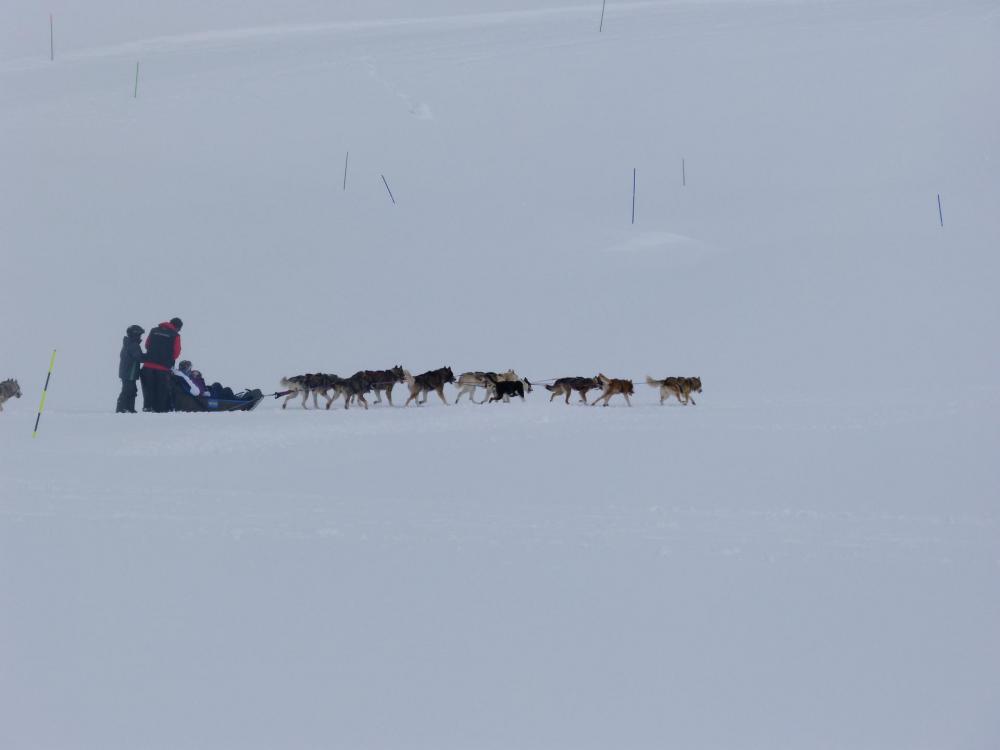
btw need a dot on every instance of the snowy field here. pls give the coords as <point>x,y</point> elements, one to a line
<point>808,558</point>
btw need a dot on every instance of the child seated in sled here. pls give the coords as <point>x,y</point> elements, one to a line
<point>192,378</point>
<point>194,382</point>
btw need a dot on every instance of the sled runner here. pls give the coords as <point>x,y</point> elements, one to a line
<point>245,401</point>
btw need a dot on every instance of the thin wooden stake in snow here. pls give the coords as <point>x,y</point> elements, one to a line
<point>684,179</point>
<point>387,188</point>
<point>633,195</point>
<point>135,93</point>
<point>52,40</point>
<point>940,212</point>
<point>603,3</point>
<point>348,156</point>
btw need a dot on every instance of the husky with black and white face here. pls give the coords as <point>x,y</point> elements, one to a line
<point>9,389</point>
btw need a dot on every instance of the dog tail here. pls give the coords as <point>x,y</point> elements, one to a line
<point>652,382</point>
<point>409,378</point>
<point>550,387</point>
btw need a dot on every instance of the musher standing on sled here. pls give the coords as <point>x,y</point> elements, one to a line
<point>163,347</point>
<point>128,368</point>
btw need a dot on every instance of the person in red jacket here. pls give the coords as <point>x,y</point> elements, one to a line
<point>163,347</point>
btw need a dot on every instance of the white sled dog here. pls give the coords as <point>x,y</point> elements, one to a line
<point>468,382</point>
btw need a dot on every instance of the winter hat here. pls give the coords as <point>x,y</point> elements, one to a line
<point>176,323</point>
<point>134,331</point>
<point>184,365</point>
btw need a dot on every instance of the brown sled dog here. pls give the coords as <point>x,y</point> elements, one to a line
<point>566,386</point>
<point>432,380</point>
<point>384,380</point>
<point>613,386</point>
<point>354,387</point>
<point>681,388</point>
<point>364,381</point>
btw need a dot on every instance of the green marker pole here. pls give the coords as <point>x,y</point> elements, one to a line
<point>45,390</point>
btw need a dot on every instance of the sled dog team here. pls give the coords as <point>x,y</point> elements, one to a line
<point>497,386</point>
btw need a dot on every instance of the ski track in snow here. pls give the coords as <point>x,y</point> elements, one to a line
<point>235,37</point>
<point>226,38</point>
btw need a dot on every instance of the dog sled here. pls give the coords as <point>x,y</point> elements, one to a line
<point>244,401</point>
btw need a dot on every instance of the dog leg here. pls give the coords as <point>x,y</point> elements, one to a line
<point>361,398</point>
<point>626,399</point>
<point>440,392</point>
<point>388,393</point>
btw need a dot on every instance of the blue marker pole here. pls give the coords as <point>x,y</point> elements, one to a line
<point>387,188</point>
<point>605,2</point>
<point>633,195</point>
<point>940,212</point>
